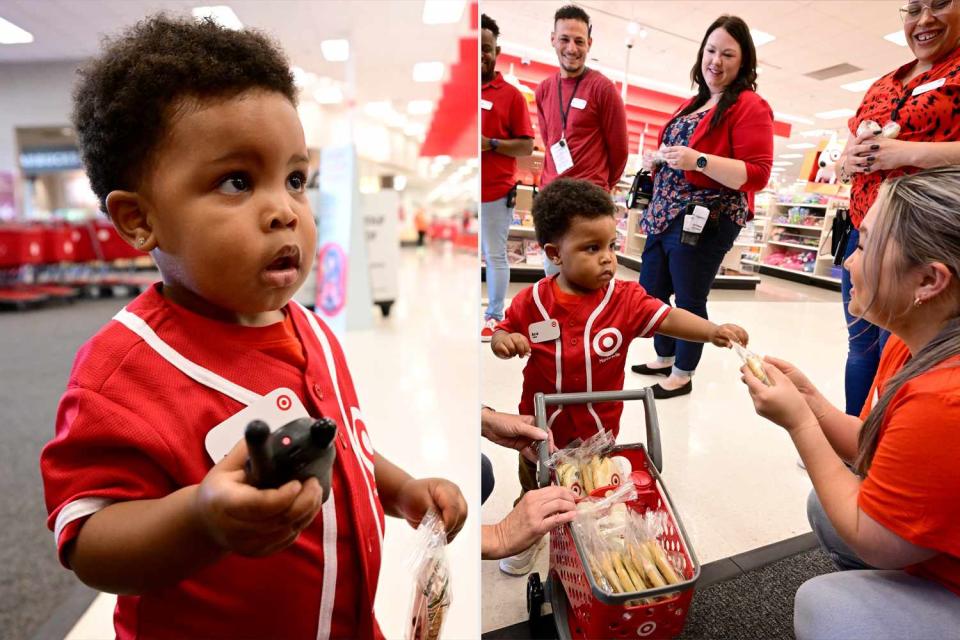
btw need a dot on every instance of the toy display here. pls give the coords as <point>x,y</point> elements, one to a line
<point>828,161</point>
<point>296,451</point>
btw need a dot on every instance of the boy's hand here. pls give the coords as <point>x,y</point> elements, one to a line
<point>416,497</point>
<point>725,335</point>
<point>506,345</point>
<point>250,521</point>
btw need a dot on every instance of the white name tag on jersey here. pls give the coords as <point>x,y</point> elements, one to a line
<point>486,105</point>
<point>930,86</point>
<point>277,408</point>
<point>544,331</point>
<point>560,152</point>
<point>578,103</point>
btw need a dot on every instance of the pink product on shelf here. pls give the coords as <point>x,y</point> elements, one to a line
<point>532,253</point>
<point>515,252</point>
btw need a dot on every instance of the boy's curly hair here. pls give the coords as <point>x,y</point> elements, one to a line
<point>561,200</point>
<point>125,99</point>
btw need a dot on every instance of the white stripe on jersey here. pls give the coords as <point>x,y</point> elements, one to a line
<point>191,369</point>
<point>557,352</point>
<point>586,348</point>
<point>329,585</point>
<point>352,437</point>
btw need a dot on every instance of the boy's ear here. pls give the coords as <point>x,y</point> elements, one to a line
<point>553,252</point>
<point>129,219</point>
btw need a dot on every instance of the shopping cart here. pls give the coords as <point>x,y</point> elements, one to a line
<point>581,609</point>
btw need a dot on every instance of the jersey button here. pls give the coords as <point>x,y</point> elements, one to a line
<point>317,391</point>
<point>573,341</point>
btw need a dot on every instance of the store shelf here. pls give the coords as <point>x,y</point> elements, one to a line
<point>632,262</point>
<point>745,261</point>
<point>787,225</point>
<point>800,204</point>
<point>825,257</point>
<point>522,232</point>
<point>754,245</point>
<point>801,276</point>
<point>792,245</point>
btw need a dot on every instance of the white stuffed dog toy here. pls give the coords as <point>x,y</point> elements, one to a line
<point>828,161</point>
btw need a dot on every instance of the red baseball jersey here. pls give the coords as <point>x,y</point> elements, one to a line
<point>131,426</point>
<point>589,355</point>
<point>503,115</point>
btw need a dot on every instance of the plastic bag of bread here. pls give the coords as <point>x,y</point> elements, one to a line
<point>754,362</point>
<point>431,591</point>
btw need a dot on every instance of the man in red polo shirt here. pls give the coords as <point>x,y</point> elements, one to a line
<point>582,119</point>
<point>506,134</point>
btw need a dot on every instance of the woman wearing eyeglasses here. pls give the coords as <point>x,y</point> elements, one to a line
<point>918,107</point>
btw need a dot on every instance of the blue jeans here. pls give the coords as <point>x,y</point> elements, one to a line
<point>495,219</point>
<point>859,602</point>
<point>670,267</point>
<point>865,344</point>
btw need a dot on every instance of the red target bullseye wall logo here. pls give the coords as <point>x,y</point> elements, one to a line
<point>284,403</point>
<point>607,342</point>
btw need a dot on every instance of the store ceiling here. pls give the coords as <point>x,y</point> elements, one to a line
<point>810,35</point>
<point>386,38</point>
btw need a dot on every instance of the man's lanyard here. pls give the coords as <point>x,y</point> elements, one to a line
<point>563,114</point>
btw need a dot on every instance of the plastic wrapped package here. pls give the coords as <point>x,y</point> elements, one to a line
<point>431,591</point>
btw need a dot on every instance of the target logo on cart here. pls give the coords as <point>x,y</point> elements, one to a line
<point>647,628</point>
<point>607,342</point>
<point>284,403</point>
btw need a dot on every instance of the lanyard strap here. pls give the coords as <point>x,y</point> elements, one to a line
<point>563,114</point>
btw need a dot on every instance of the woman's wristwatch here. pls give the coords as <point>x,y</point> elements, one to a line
<point>702,162</point>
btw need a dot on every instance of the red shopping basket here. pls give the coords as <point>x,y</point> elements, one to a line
<point>20,245</point>
<point>581,608</point>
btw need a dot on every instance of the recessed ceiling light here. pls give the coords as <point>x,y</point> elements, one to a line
<point>790,155</point>
<point>335,50</point>
<point>442,11</point>
<point>782,163</point>
<point>12,34</point>
<point>815,133</point>
<point>419,107</point>
<point>221,14</point>
<point>836,113</point>
<point>896,37</point>
<point>427,72</point>
<point>761,38</point>
<point>801,145</point>
<point>786,117</point>
<point>859,85</point>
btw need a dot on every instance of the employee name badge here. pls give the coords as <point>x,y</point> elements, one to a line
<point>578,103</point>
<point>486,105</point>
<point>695,222</point>
<point>930,86</point>
<point>560,152</point>
<point>544,331</point>
<point>277,408</point>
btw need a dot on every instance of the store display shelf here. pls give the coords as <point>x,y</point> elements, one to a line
<point>630,261</point>
<point>801,204</point>
<point>755,245</point>
<point>802,276</point>
<point>518,230</point>
<point>825,257</point>
<point>745,261</point>
<point>637,234</point>
<point>788,225</point>
<point>792,245</point>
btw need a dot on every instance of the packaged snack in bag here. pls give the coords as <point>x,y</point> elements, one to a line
<point>587,466</point>
<point>753,361</point>
<point>431,591</point>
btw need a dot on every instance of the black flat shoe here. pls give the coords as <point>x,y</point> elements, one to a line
<point>662,394</point>
<point>650,371</point>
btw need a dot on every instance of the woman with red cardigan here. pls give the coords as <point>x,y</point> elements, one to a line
<point>716,151</point>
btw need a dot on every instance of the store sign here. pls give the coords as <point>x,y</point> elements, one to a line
<point>35,161</point>
<point>380,221</point>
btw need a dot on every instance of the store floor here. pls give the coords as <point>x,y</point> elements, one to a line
<point>732,475</point>
<point>416,376</point>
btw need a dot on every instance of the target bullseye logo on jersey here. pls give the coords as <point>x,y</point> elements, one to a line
<point>277,408</point>
<point>607,342</point>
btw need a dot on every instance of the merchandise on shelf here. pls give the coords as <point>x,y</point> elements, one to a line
<point>532,253</point>
<point>515,252</point>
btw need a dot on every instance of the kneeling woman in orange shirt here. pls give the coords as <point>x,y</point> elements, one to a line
<point>893,523</point>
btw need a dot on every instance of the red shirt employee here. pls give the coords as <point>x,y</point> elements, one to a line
<point>580,113</point>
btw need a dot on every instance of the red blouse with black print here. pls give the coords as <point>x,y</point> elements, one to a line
<point>929,113</point>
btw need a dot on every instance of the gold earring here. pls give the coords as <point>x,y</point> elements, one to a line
<point>140,241</point>
<point>917,301</point>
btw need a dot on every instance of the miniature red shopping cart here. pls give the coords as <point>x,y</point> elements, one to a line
<point>581,609</point>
